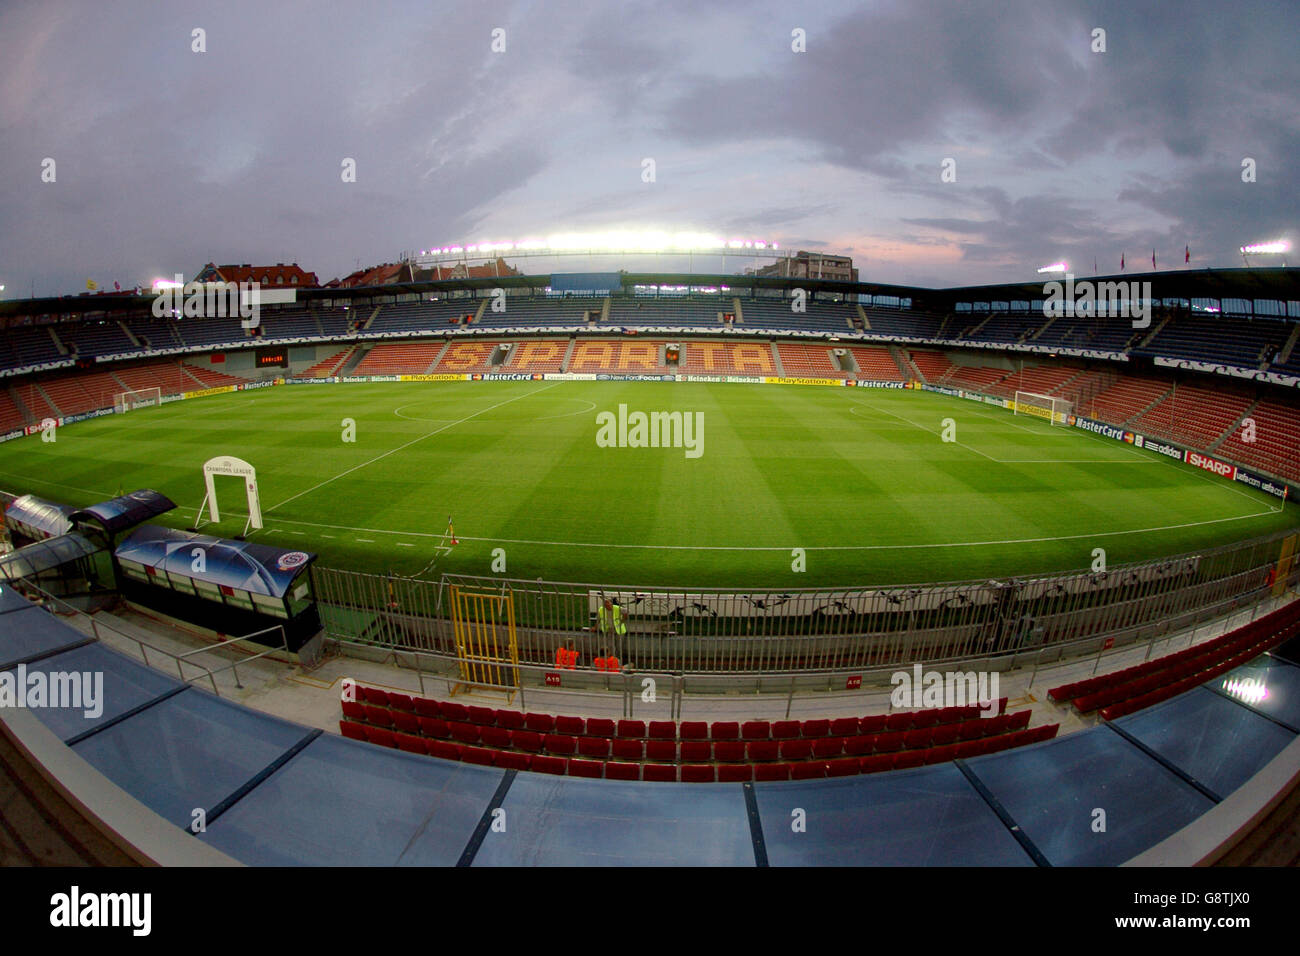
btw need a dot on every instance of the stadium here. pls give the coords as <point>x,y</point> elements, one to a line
<point>763,436</point>
<point>830,482</point>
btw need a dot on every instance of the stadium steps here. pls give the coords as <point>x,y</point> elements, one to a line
<point>478,313</point>
<point>126,329</point>
<point>776,357</point>
<point>605,306</point>
<point>1156,331</point>
<point>58,342</point>
<point>1234,426</point>
<point>1044,328</point>
<point>905,366</point>
<point>185,370</point>
<point>328,366</point>
<point>862,314</point>
<point>1284,356</point>
<point>568,353</point>
<point>373,315</point>
<point>353,360</point>
<point>1163,397</point>
<point>20,407</point>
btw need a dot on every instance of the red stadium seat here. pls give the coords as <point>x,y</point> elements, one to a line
<point>859,746</point>
<point>735,773</point>
<point>510,719</point>
<point>816,728</point>
<point>844,727</point>
<point>694,730</point>
<point>401,702</point>
<point>572,726</point>
<point>600,727</point>
<point>825,748</point>
<point>560,745</point>
<point>478,755</point>
<point>909,758</point>
<point>622,771</point>
<point>917,738</point>
<point>555,765</point>
<point>729,751</point>
<point>434,727</point>
<point>796,750</point>
<point>772,771</point>
<point>526,740</point>
<point>411,743</point>
<point>539,723</point>
<point>930,718</point>
<point>697,751</point>
<point>444,749</point>
<point>380,736</point>
<point>873,725</point>
<point>786,729</point>
<point>453,711</point>
<point>372,695</point>
<point>809,770</point>
<point>509,760</point>
<point>483,716</point>
<point>759,751</point>
<point>876,763</point>
<point>586,768</point>
<point>465,733</point>
<point>354,711</point>
<point>663,730</point>
<point>597,747</point>
<point>427,708</point>
<point>632,729</point>
<point>659,772</point>
<point>698,773</point>
<point>497,737</point>
<point>899,720</point>
<point>632,750</point>
<point>725,730</point>
<point>847,767</point>
<point>664,751</point>
<point>352,731</point>
<point>755,730</point>
<point>890,742</point>
<point>378,716</point>
<point>945,734</point>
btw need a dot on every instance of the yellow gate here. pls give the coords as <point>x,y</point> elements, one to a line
<point>483,625</point>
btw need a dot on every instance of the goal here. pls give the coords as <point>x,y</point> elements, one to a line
<point>1055,410</point>
<point>143,398</point>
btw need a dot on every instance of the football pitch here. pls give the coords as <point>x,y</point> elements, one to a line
<point>861,480</point>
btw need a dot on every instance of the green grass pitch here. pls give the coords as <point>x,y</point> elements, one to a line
<point>858,478</point>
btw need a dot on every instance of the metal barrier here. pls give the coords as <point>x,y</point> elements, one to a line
<point>717,632</point>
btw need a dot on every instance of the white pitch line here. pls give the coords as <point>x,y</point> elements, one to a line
<point>842,547</point>
<point>408,444</point>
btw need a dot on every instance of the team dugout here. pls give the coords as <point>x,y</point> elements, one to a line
<point>232,587</point>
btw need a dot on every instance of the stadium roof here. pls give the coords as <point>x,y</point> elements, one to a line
<point>1279,283</point>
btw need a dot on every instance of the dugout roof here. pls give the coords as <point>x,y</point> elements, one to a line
<point>38,518</point>
<point>118,514</point>
<point>31,560</point>
<point>238,565</point>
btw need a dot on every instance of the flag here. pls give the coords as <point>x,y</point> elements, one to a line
<point>1094,265</point>
<point>116,287</point>
<point>1153,258</point>
<point>90,285</point>
<point>1121,262</point>
<point>451,532</point>
<point>1187,254</point>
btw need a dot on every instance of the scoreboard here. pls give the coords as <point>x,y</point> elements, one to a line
<point>272,358</point>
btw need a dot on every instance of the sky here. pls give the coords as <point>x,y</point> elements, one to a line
<point>165,158</point>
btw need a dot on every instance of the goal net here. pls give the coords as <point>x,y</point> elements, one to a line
<point>143,398</point>
<point>1055,410</point>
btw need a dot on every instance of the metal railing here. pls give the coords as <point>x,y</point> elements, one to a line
<point>755,633</point>
<point>50,601</point>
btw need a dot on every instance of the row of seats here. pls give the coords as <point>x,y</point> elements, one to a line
<point>672,751</point>
<point>1183,670</point>
<point>660,729</point>
<point>693,772</point>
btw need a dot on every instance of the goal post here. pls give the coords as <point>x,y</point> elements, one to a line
<point>1048,407</point>
<point>137,398</point>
